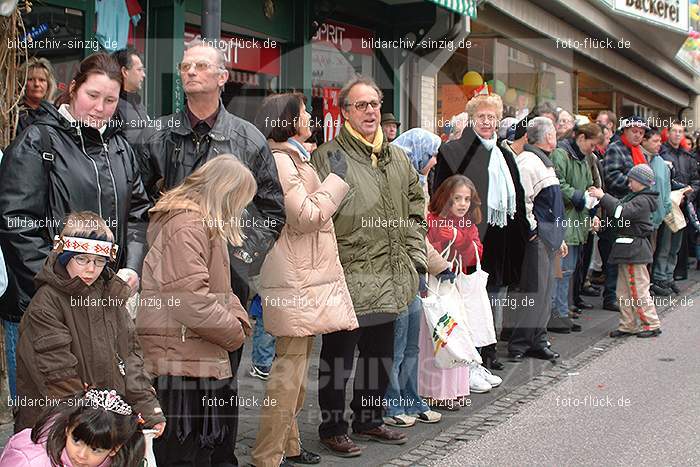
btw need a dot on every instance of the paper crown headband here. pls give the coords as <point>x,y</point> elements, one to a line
<point>108,400</point>
<point>86,245</point>
<point>481,90</point>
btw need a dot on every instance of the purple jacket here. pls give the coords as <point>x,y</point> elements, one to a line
<point>20,451</point>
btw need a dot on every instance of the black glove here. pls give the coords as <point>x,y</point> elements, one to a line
<point>339,165</point>
<point>447,275</point>
<point>422,285</point>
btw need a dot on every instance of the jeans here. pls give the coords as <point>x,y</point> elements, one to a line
<point>263,345</point>
<point>561,291</point>
<point>402,393</point>
<point>606,238</point>
<point>11,338</point>
<point>667,246</point>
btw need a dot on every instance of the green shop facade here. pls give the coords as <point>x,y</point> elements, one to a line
<point>313,46</point>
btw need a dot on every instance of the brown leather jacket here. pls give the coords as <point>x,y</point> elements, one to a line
<point>188,319</point>
<point>74,334</point>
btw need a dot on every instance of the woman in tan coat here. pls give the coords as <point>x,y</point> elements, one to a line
<point>302,285</point>
<point>189,318</point>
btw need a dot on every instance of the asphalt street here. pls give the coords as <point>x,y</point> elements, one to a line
<point>636,404</point>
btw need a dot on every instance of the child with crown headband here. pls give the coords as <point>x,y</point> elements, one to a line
<point>95,428</point>
<point>77,330</point>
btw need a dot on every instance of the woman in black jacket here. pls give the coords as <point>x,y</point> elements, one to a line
<point>73,158</point>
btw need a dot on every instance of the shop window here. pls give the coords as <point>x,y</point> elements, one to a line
<point>523,80</point>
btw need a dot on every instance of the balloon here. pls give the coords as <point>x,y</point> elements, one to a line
<point>472,78</point>
<point>499,87</point>
<point>510,96</point>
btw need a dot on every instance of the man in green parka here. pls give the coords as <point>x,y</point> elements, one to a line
<point>380,229</point>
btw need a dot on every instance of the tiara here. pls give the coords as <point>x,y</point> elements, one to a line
<point>86,245</point>
<point>108,399</point>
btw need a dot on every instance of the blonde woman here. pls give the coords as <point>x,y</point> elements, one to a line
<point>38,91</point>
<point>504,230</point>
<point>190,319</point>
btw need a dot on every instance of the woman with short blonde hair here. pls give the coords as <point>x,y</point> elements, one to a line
<point>39,89</point>
<point>191,322</point>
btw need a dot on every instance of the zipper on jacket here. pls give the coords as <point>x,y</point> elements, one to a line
<point>183,330</point>
<point>114,187</point>
<point>97,173</point>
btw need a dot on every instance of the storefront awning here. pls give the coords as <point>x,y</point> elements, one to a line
<point>463,7</point>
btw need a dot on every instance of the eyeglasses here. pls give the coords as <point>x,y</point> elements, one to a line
<point>184,67</point>
<point>98,261</point>
<point>362,105</point>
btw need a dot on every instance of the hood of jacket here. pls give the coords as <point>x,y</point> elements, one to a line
<point>80,132</point>
<point>569,145</point>
<point>55,275</point>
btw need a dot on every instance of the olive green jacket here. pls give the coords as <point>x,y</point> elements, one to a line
<point>380,227</point>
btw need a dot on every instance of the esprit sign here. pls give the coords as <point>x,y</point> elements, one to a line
<point>344,37</point>
<point>669,13</point>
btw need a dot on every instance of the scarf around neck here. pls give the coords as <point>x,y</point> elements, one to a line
<point>376,145</point>
<point>303,153</point>
<point>637,154</point>
<point>501,195</point>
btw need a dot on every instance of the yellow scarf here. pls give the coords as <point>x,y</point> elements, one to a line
<point>376,145</point>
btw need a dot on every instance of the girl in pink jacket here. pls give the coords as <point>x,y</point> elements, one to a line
<point>94,429</point>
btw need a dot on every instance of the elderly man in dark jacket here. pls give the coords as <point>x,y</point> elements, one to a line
<point>684,173</point>
<point>180,143</point>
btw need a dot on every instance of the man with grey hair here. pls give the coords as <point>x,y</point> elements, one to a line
<point>380,231</point>
<point>168,152</point>
<point>544,207</point>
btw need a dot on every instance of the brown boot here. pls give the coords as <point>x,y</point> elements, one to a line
<point>382,434</point>
<point>341,446</point>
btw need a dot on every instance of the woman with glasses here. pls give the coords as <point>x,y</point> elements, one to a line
<point>505,229</point>
<point>73,158</point>
<point>77,331</point>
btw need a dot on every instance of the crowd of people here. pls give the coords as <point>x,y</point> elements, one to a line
<point>203,223</point>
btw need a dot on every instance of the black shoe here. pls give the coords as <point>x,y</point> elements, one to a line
<point>584,305</point>
<point>558,325</point>
<point>590,291</point>
<point>305,457</point>
<point>286,463</point>
<point>617,333</point>
<point>659,290</point>
<point>543,354</point>
<point>516,357</point>
<point>652,333</point>
<point>670,285</point>
<point>490,357</point>
<point>611,306</point>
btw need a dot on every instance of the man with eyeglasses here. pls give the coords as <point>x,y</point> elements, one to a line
<point>380,230</point>
<point>178,144</point>
<point>131,110</point>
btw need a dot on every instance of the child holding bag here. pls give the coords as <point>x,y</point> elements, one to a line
<point>454,212</point>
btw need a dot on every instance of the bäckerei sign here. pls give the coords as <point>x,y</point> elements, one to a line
<point>669,13</point>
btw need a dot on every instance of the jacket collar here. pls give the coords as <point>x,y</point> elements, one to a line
<point>572,149</point>
<point>285,147</point>
<point>539,152</point>
<point>183,127</point>
<point>131,97</point>
<point>182,204</point>
<point>359,151</point>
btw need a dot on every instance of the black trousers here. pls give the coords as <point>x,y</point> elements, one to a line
<point>185,394</point>
<point>374,362</point>
<point>534,302</point>
<point>582,264</point>
<point>681,270</point>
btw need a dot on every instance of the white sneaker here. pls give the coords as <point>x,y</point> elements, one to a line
<point>493,380</point>
<point>477,381</point>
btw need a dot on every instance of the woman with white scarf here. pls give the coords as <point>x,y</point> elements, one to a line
<point>504,231</point>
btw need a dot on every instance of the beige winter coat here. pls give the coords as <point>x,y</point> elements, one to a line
<point>302,285</point>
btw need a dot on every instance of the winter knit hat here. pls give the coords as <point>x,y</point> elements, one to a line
<point>643,174</point>
<point>95,243</point>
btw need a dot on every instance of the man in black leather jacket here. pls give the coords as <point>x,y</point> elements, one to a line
<point>175,145</point>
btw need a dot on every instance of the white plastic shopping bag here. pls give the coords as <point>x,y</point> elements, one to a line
<point>472,288</point>
<point>445,317</point>
<point>150,459</point>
